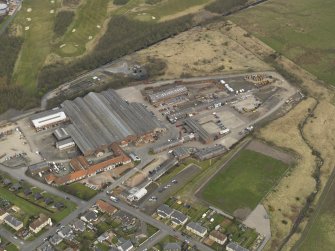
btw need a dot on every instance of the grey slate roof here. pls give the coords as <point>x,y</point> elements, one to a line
<point>164,210</point>
<point>197,227</point>
<point>236,247</point>
<point>178,217</point>
<point>172,246</point>
<point>12,220</point>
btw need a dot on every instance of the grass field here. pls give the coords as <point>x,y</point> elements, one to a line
<point>79,190</point>
<point>89,20</point>
<point>171,7</point>
<point>320,236</point>
<point>244,182</point>
<point>37,40</point>
<point>302,30</point>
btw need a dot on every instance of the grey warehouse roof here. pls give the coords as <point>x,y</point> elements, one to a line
<point>99,119</point>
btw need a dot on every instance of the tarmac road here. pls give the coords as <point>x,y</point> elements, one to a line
<point>84,206</point>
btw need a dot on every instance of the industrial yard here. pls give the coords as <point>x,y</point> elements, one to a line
<point>155,137</point>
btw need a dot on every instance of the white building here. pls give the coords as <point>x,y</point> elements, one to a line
<point>65,144</point>
<point>49,118</point>
<point>137,194</point>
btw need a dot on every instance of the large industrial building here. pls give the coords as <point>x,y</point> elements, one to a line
<point>100,119</point>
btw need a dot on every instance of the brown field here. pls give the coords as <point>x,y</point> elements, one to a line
<point>200,52</point>
<point>282,203</point>
<point>319,131</point>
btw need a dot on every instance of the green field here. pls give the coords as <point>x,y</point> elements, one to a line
<point>302,30</point>
<point>88,21</point>
<point>31,209</point>
<point>244,182</point>
<point>319,234</point>
<point>37,40</point>
<point>79,190</point>
<point>174,6</point>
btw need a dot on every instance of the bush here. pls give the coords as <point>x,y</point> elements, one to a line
<point>63,20</point>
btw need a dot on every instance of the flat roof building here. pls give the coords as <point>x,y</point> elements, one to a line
<point>167,94</point>
<point>48,118</point>
<point>65,144</point>
<point>61,134</point>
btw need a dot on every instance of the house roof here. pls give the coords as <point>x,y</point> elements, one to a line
<point>236,247</point>
<point>79,225</point>
<point>38,196</point>
<point>16,186</point>
<point>56,239</point>
<point>178,217</point>
<point>66,231</point>
<point>172,246</point>
<point>197,227</point>
<point>59,205</point>
<point>218,235</point>
<point>164,210</point>
<point>48,200</point>
<point>80,174</point>
<point>125,245</point>
<point>79,163</point>
<point>90,216</point>
<point>38,222</point>
<point>12,220</point>
<point>27,191</point>
<point>105,207</point>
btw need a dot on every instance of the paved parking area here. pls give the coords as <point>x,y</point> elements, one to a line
<point>168,189</point>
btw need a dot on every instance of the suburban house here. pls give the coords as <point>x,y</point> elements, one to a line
<point>126,246</point>
<point>178,218</point>
<point>233,246</point>
<point>196,228</point>
<point>55,240</point>
<point>3,214</point>
<point>79,226</point>
<point>218,237</point>
<point>89,216</point>
<point>164,211</point>
<point>38,224</point>
<point>65,232</point>
<point>172,246</point>
<point>13,222</point>
<point>105,207</point>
